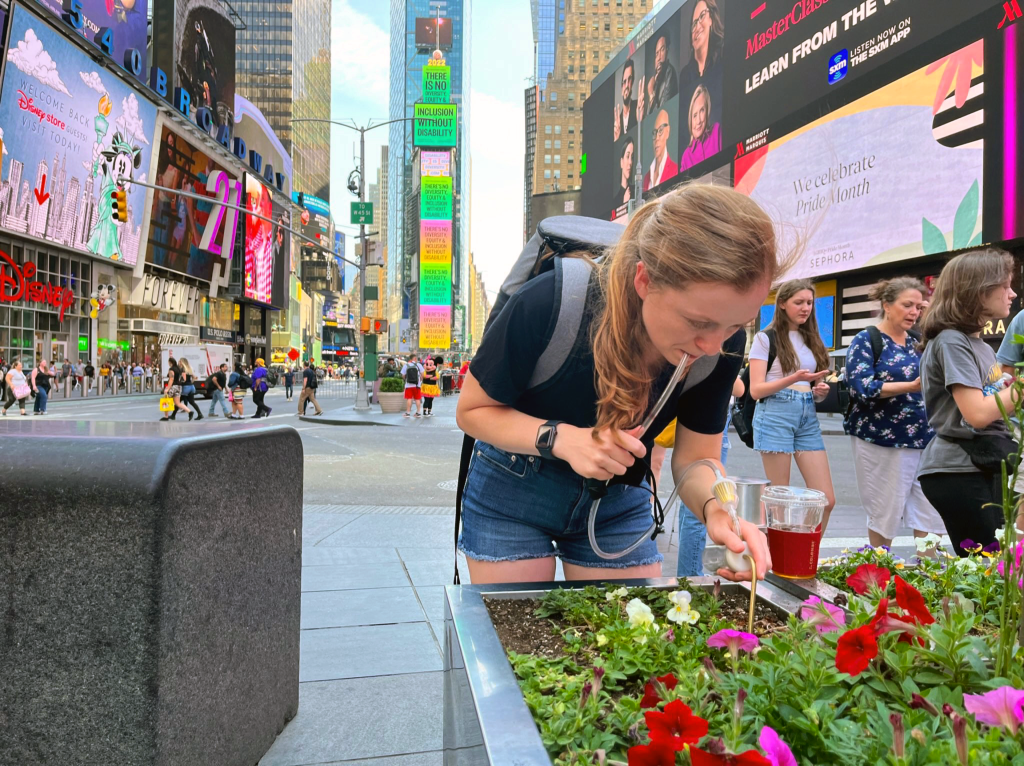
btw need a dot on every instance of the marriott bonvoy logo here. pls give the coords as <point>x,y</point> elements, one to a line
<point>800,11</point>
<point>26,104</point>
<point>18,286</point>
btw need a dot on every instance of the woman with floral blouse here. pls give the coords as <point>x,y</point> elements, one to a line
<point>887,422</point>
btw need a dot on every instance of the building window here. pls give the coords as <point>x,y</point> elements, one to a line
<point>547,159</point>
<point>571,158</point>
<point>547,174</point>
<point>595,68</point>
<point>571,69</point>
<point>558,174</point>
<point>547,143</point>
<point>572,144</point>
<point>547,129</point>
<point>547,187</point>
<point>554,96</point>
<point>558,144</point>
<point>570,175</point>
<point>572,129</point>
<point>572,96</point>
<point>558,130</point>
<point>558,158</point>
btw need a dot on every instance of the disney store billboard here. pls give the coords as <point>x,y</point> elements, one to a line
<point>70,129</point>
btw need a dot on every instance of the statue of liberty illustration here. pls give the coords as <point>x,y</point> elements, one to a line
<point>117,164</point>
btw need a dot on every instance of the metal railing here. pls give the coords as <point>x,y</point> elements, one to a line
<point>332,389</point>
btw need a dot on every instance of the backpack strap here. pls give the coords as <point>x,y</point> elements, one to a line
<point>772,348</point>
<point>468,442</point>
<point>877,344</point>
<point>572,280</point>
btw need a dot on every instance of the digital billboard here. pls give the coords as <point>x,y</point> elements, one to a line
<point>436,198</point>
<point>126,19</point>
<point>435,163</point>
<point>281,253</point>
<point>73,134</point>
<point>435,125</point>
<point>204,61</point>
<point>427,33</point>
<point>258,275</point>
<point>884,178</point>
<point>177,223</point>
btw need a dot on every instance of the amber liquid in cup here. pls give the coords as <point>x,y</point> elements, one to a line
<point>794,551</point>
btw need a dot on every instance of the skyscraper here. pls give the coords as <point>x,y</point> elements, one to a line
<point>283,67</point>
<point>406,80</point>
<point>572,43</point>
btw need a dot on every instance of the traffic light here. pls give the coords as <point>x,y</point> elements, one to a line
<point>380,326</point>
<point>364,324</point>
<point>119,205</point>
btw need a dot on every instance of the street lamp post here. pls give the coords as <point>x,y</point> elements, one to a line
<point>362,402</point>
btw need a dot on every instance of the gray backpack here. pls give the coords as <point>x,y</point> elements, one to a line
<point>555,238</point>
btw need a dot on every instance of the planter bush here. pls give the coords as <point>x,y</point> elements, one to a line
<point>391,394</point>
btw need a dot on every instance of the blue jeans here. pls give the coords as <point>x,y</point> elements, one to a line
<point>40,405</point>
<point>523,507</point>
<point>218,396</point>
<point>693,535</point>
<point>787,422</point>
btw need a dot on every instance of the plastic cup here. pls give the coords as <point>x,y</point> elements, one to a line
<point>794,529</point>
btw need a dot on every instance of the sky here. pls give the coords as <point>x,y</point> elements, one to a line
<point>359,83</point>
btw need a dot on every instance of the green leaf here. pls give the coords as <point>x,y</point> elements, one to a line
<point>932,239</point>
<point>975,241</point>
<point>966,218</point>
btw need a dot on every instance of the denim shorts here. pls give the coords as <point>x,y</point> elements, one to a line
<point>787,422</point>
<point>523,507</point>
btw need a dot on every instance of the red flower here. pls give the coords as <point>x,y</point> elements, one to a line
<point>911,601</point>
<point>856,649</point>
<point>749,758</point>
<point>676,725</point>
<point>866,576</point>
<point>652,696</point>
<point>654,754</point>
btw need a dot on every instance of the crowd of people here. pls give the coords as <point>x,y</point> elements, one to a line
<point>424,378</point>
<point>42,379</point>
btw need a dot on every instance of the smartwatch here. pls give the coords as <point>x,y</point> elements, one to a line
<point>546,439</point>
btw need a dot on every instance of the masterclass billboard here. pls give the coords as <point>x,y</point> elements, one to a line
<point>707,81</point>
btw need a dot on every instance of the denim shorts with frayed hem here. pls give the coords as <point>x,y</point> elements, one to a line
<point>786,422</point>
<point>520,507</point>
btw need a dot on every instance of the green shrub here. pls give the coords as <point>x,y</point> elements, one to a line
<point>392,385</point>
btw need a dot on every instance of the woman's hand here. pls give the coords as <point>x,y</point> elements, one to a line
<point>721,531</point>
<point>599,458</point>
<point>806,376</point>
<point>820,391</point>
<point>914,386</point>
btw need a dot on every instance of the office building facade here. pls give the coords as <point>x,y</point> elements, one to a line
<point>406,78</point>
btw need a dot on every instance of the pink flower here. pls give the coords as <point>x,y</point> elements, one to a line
<point>775,750</point>
<point>825,617</point>
<point>735,641</point>
<point>959,67</point>
<point>1016,566</point>
<point>1001,707</point>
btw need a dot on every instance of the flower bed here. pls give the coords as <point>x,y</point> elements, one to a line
<point>652,677</point>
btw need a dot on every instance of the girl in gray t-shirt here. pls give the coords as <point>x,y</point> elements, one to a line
<point>960,381</point>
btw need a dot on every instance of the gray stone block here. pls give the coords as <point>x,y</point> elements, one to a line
<point>150,583</point>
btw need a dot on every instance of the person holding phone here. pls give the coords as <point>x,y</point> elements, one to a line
<point>785,420</point>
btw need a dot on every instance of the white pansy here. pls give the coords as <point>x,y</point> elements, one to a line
<point>926,543</point>
<point>639,613</point>
<point>677,614</point>
<point>614,594</point>
<point>1002,531</point>
<point>968,563</point>
<point>681,598</point>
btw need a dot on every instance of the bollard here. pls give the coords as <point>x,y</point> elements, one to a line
<point>67,386</point>
<point>113,384</point>
<point>86,385</point>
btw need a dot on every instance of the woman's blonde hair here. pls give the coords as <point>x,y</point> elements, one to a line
<point>183,364</point>
<point>695,234</point>
<point>700,91</point>
<point>958,302</point>
<point>786,354</point>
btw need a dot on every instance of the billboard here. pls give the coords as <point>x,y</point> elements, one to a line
<point>433,33</point>
<point>258,275</point>
<point>70,130</point>
<point>204,62</point>
<point>435,163</point>
<point>435,125</point>
<point>281,253</point>
<point>437,84</point>
<point>126,19</point>
<point>177,223</point>
<point>435,198</point>
<point>881,179</point>
<point>252,128</point>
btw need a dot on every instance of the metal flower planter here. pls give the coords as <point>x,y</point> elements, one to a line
<point>486,720</point>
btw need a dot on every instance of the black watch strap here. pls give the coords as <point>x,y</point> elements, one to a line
<point>545,443</point>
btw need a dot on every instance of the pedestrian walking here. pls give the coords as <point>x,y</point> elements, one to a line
<point>216,385</point>
<point>137,373</point>
<point>429,389</point>
<point>172,388</point>
<point>886,421</point>
<point>308,392</point>
<point>687,273</point>
<point>238,384</point>
<point>18,389</point>
<point>412,372</point>
<point>289,382</point>
<point>963,386</point>
<point>66,371</point>
<point>785,421</point>
<point>259,389</point>
<point>40,382</point>
<point>188,389</point>
<point>90,375</point>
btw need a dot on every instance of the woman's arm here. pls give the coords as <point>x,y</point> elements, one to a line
<point>506,428</point>
<point>696,492</point>
<point>862,373</point>
<point>978,410</point>
<point>759,389</point>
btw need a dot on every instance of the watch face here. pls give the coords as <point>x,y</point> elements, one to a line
<point>546,437</point>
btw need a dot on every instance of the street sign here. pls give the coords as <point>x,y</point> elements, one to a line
<point>362,213</point>
<point>293,354</point>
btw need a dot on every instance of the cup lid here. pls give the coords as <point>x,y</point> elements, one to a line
<point>793,494</point>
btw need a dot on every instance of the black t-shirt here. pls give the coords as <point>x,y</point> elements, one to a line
<point>309,378</point>
<point>221,378</point>
<point>512,345</point>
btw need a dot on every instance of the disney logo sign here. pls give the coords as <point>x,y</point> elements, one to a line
<point>26,104</point>
<point>19,286</point>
